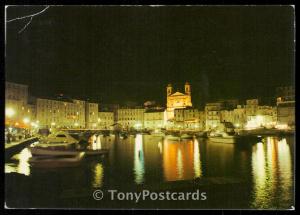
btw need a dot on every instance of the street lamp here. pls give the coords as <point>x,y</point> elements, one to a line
<point>26,120</point>
<point>9,112</point>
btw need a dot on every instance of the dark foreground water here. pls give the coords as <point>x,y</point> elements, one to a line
<point>254,175</point>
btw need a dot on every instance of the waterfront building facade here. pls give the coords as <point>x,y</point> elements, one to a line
<point>18,112</point>
<point>91,115</point>
<point>129,118</point>
<point>54,113</point>
<point>155,119</point>
<point>189,119</point>
<point>105,120</point>
<point>213,115</point>
<point>16,92</point>
<point>239,117</point>
<point>178,100</point>
<point>286,106</point>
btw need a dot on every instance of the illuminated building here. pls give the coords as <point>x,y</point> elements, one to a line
<point>178,100</point>
<point>259,115</point>
<point>16,92</point>
<point>213,115</point>
<point>105,120</point>
<point>189,119</point>
<point>91,115</point>
<point>239,117</point>
<point>131,117</point>
<point>60,113</point>
<point>251,108</point>
<point>286,106</point>
<point>17,107</point>
<point>154,119</point>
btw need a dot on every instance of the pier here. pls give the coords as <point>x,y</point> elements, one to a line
<point>15,147</point>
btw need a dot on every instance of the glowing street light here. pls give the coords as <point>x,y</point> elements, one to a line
<point>26,120</point>
<point>9,112</point>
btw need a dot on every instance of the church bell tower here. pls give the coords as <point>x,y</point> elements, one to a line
<point>169,89</point>
<point>187,88</point>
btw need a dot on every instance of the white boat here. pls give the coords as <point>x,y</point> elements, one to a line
<point>58,139</point>
<point>58,161</point>
<point>40,151</point>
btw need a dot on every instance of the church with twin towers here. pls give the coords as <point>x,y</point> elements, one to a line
<point>178,100</point>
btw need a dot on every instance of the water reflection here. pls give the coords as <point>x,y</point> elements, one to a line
<point>267,166</point>
<point>95,142</point>
<point>181,160</point>
<point>272,173</point>
<point>197,160</point>
<point>139,166</point>
<point>98,175</point>
<point>23,166</point>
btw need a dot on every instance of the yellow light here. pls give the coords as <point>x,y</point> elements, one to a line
<point>282,126</point>
<point>26,120</point>
<point>138,125</point>
<point>52,123</point>
<point>76,124</point>
<point>9,112</point>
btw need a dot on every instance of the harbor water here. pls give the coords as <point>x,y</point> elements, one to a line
<point>255,175</point>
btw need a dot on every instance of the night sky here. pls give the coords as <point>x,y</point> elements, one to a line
<point>113,54</point>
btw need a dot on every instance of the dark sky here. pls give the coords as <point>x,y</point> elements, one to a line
<point>113,54</point>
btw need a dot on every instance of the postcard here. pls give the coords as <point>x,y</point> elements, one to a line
<point>150,107</point>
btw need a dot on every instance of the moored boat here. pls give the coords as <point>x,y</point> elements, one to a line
<point>56,161</point>
<point>39,151</point>
<point>59,139</point>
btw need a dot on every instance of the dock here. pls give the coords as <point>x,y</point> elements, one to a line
<point>15,147</point>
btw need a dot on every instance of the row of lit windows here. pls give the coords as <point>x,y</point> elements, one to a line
<point>128,118</point>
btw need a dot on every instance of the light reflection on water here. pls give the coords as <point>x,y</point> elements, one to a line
<point>98,175</point>
<point>268,165</point>
<point>139,166</point>
<point>181,160</point>
<point>22,166</point>
<point>272,173</point>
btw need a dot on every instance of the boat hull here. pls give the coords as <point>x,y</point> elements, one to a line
<point>54,162</point>
<point>36,151</point>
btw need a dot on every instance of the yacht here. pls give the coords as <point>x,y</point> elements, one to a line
<point>59,138</point>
